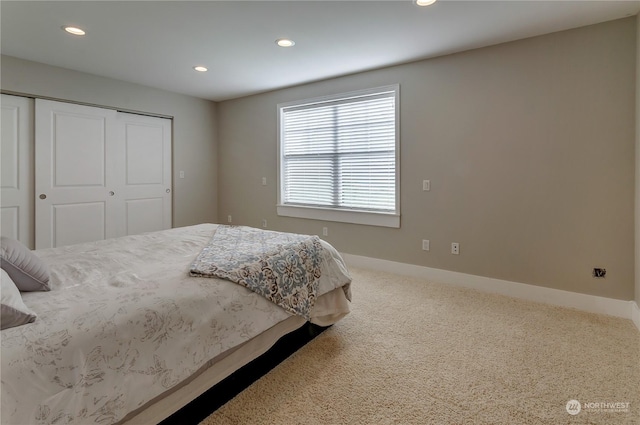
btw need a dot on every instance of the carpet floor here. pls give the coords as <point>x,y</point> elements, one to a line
<point>415,352</point>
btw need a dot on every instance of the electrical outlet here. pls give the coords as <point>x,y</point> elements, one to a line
<point>264,222</point>
<point>426,185</point>
<point>264,181</point>
<point>455,248</point>
<point>229,218</point>
<point>325,231</point>
<point>425,244</point>
<point>599,273</point>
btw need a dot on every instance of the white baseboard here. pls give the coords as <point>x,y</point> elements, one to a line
<point>591,303</point>
<point>635,314</point>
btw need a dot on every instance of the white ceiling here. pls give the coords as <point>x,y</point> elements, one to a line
<point>156,43</point>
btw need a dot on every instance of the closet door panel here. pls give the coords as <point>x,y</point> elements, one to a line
<point>144,215</point>
<point>86,219</point>
<point>16,169</point>
<point>79,151</point>
<point>10,222</point>
<point>75,162</point>
<point>145,156</point>
<point>147,182</point>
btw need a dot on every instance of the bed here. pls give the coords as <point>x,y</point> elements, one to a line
<point>127,335</point>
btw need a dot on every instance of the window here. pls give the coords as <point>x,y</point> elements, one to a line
<point>338,158</point>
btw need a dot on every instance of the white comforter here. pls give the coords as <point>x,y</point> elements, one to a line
<point>124,323</point>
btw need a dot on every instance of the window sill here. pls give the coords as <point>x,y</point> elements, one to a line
<point>343,216</point>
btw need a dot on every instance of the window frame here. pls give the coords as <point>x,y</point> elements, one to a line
<point>344,215</point>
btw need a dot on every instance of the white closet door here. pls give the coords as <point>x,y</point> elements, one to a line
<point>99,174</point>
<point>145,183</point>
<point>75,170</point>
<point>16,162</point>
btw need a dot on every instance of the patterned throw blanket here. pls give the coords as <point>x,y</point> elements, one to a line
<point>282,267</point>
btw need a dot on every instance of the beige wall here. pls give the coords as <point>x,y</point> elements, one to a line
<point>637,212</point>
<point>529,147</point>
<point>194,125</point>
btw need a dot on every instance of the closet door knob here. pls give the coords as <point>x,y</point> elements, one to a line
<point>168,190</point>
<point>111,193</point>
<point>43,196</point>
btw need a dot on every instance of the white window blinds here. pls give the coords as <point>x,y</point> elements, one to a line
<point>341,153</point>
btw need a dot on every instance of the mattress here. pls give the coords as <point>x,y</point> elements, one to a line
<point>125,328</point>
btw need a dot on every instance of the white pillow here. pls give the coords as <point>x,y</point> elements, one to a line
<point>14,312</point>
<point>27,270</point>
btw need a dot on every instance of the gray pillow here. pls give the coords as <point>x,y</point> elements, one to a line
<point>26,269</point>
<point>13,311</point>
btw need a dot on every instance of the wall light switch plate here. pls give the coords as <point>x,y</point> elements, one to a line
<point>426,185</point>
<point>425,244</point>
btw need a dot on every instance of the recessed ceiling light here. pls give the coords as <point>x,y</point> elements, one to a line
<point>285,42</point>
<point>425,2</point>
<point>200,68</point>
<point>74,30</point>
